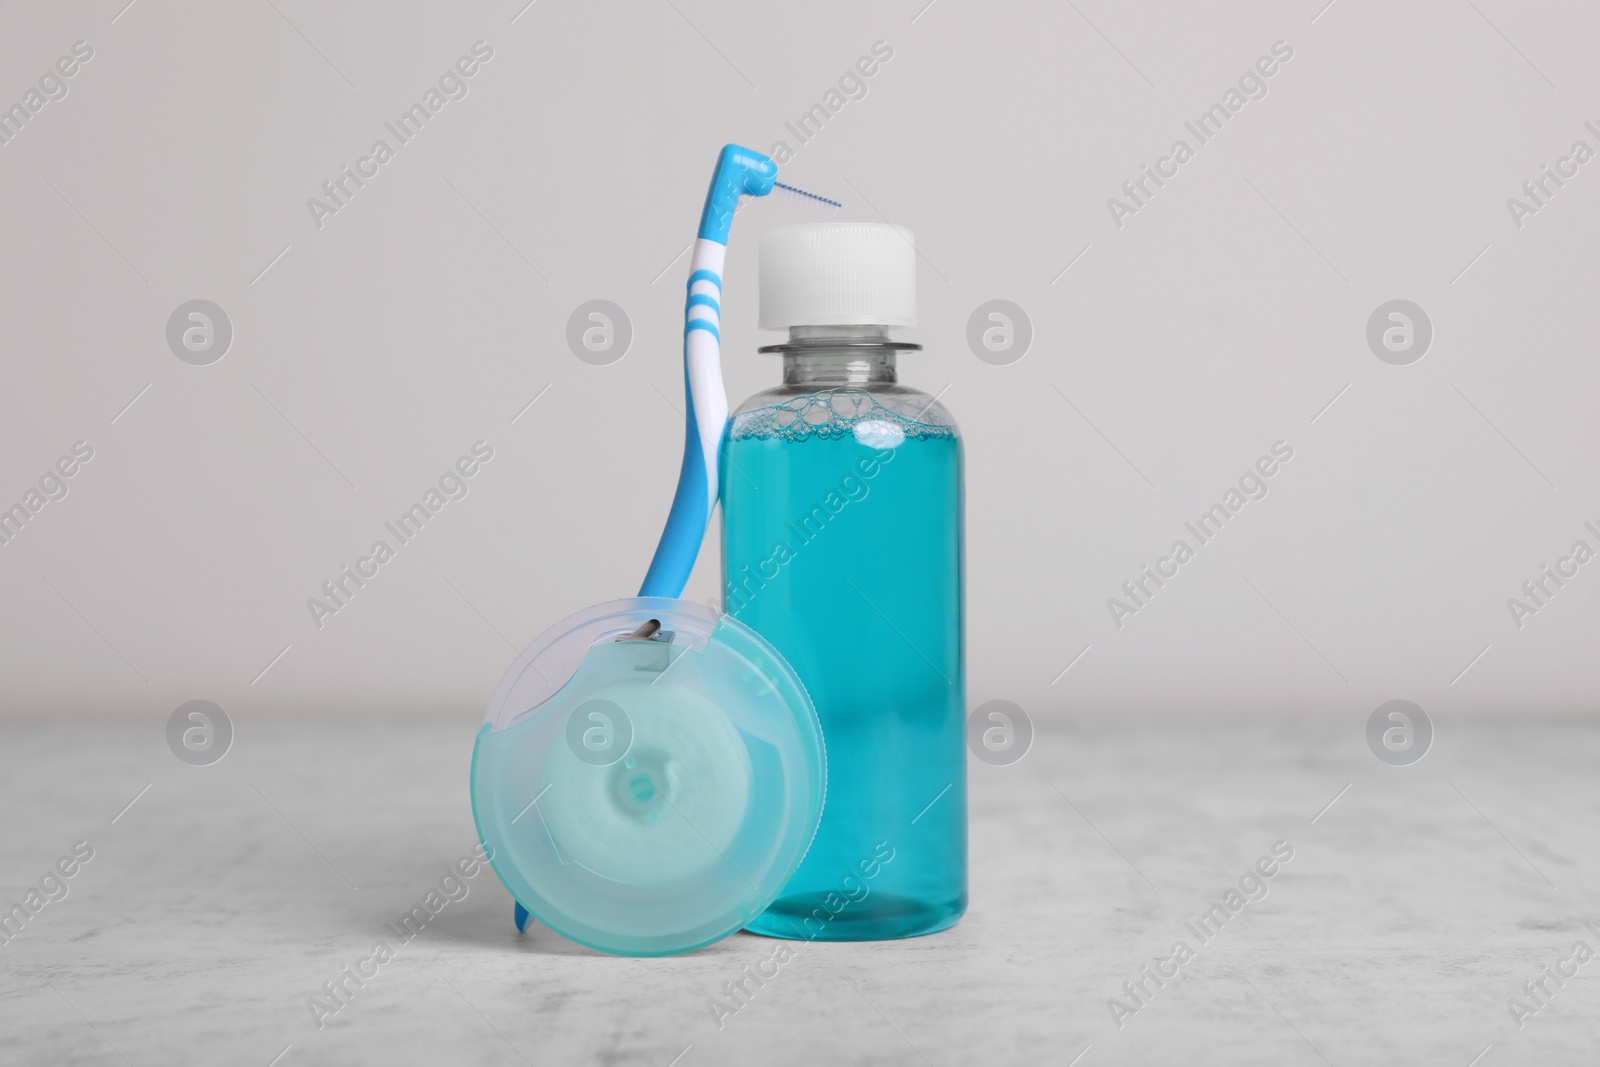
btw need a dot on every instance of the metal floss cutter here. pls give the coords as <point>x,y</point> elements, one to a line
<point>652,772</point>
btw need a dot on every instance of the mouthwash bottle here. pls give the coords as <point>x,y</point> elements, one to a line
<point>842,546</point>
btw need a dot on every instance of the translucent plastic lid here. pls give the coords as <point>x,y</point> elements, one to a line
<point>650,775</point>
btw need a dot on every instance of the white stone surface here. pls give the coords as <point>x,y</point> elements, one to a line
<point>1412,909</point>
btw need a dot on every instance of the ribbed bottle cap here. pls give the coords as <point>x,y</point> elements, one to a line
<point>838,273</point>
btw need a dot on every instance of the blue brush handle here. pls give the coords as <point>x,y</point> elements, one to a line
<point>740,172</point>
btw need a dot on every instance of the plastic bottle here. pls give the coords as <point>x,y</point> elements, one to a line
<point>842,546</point>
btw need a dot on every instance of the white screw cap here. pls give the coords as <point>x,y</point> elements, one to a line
<point>838,274</point>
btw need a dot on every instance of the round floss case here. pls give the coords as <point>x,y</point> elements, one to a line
<point>650,775</point>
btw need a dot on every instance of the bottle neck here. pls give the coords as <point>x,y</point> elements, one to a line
<point>821,356</point>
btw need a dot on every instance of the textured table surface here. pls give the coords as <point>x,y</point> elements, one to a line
<point>1414,907</point>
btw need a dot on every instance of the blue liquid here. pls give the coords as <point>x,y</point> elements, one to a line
<point>842,546</point>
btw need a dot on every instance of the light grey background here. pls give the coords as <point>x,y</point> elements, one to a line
<point>370,353</point>
<point>1167,355</point>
